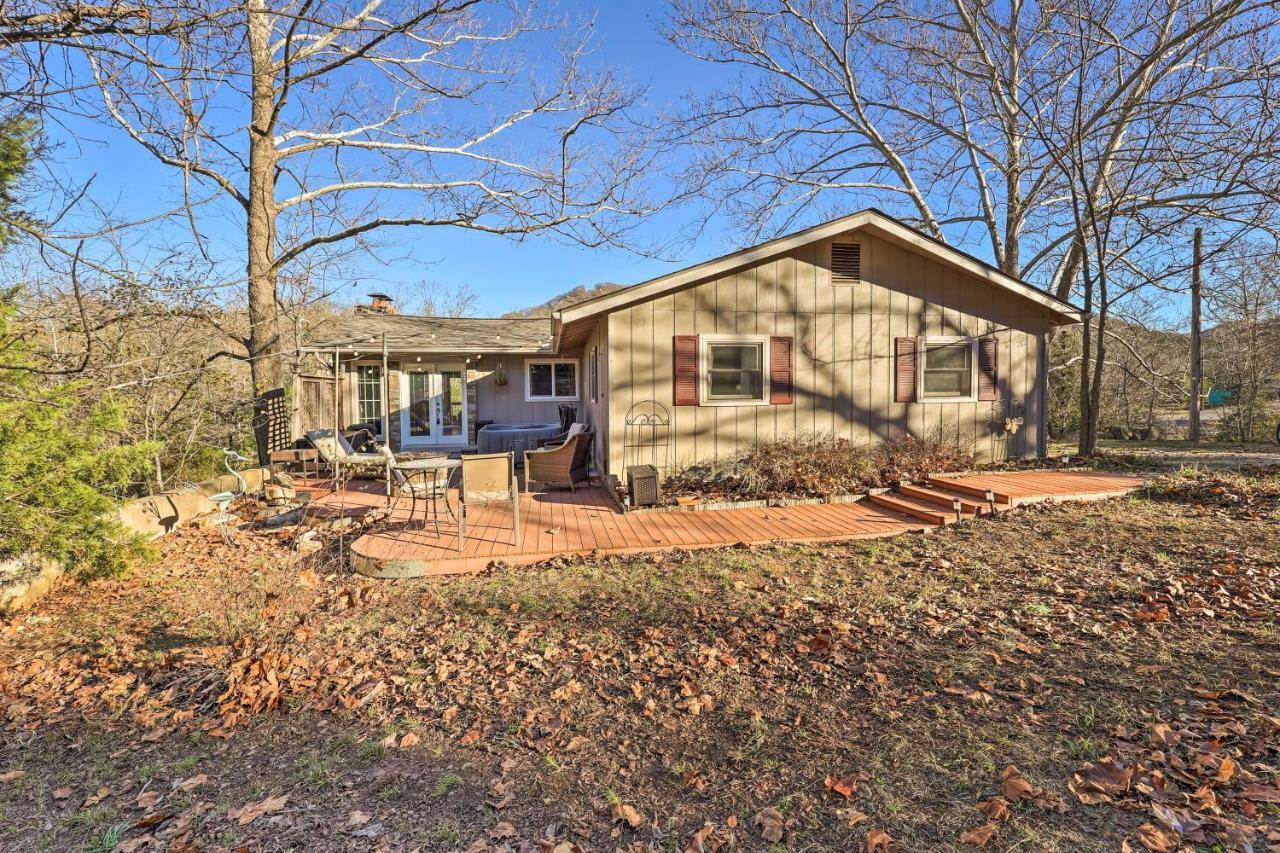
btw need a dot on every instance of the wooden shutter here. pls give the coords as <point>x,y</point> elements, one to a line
<point>904,369</point>
<point>846,264</point>
<point>988,368</point>
<point>685,363</point>
<point>781,371</point>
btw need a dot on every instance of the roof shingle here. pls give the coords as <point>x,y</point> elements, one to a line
<point>406,332</point>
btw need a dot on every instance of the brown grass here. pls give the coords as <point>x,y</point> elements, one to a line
<point>697,688</point>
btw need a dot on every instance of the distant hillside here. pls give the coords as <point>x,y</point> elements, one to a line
<point>564,300</point>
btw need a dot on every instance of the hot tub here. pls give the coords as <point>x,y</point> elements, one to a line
<point>499,438</point>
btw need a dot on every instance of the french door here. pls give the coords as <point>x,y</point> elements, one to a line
<point>433,407</point>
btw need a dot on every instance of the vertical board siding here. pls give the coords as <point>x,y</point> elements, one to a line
<point>843,367</point>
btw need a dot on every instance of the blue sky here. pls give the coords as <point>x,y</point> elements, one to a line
<point>504,274</point>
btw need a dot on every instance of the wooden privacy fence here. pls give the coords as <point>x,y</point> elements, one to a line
<point>315,403</point>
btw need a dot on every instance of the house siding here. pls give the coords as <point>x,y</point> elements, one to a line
<point>843,348</point>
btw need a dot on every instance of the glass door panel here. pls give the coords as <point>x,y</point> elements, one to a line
<point>419,405</point>
<point>452,403</point>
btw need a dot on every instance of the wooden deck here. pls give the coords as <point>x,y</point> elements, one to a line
<point>565,523</point>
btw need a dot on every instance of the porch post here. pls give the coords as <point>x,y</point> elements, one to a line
<point>386,408</point>
<point>337,411</point>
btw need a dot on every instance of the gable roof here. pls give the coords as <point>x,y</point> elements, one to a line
<point>434,334</point>
<point>872,220</point>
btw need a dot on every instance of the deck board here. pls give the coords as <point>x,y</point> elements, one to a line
<point>563,522</point>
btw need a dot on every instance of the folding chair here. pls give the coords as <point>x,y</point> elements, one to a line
<point>488,478</point>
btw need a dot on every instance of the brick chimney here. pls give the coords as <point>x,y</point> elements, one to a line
<point>379,303</point>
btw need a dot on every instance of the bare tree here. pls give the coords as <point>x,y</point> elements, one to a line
<point>1078,141</point>
<point>317,126</point>
<point>1243,303</point>
<point>433,299</point>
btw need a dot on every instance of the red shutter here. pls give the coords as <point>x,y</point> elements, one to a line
<point>781,371</point>
<point>904,369</point>
<point>685,362</point>
<point>988,368</point>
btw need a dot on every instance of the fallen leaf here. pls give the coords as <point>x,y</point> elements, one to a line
<point>1158,839</point>
<point>250,812</point>
<point>12,775</point>
<point>996,808</point>
<point>356,819</point>
<point>628,813</point>
<point>878,841</point>
<point>63,792</point>
<point>768,822</point>
<point>470,737</point>
<point>844,785</point>
<point>1260,792</point>
<point>194,782</point>
<point>1097,782</point>
<point>1163,736</point>
<point>1015,786</point>
<point>1226,770</point>
<point>148,799</point>
<point>502,830</point>
<point>1152,612</point>
<point>705,840</point>
<point>98,796</point>
<point>979,835</point>
<point>308,579</point>
<point>409,740</point>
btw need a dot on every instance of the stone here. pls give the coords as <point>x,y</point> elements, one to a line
<point>285,479</point>
<point>308,546</point>
<point>25,579</point>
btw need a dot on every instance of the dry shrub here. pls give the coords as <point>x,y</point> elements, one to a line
<point>815,465</point>
<point>912,458</point>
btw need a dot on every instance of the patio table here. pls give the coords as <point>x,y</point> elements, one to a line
<point>432,467</point>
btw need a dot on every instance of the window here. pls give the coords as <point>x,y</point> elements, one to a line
<point>369,396</point>
<point>735,372</point>
<point>946,369</point>
<point>593,375</point>
<point>552,379</point>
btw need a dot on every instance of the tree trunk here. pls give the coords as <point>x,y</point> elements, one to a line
<point>266,360</point>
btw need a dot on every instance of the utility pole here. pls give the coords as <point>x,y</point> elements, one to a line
<point>1193,432</point>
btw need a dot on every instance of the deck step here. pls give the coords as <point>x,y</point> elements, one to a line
<point>945,499</point>
<point>953,484</point>
<point>913,507</point>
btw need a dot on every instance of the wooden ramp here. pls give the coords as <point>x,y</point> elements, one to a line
<point>585,522</point>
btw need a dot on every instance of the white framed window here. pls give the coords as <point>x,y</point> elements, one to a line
<point>368,396</point>
<point>735,370</point>
<point>550,380</point>
<point>948,370</point>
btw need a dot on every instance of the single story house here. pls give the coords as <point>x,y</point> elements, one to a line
<point>860,327</point>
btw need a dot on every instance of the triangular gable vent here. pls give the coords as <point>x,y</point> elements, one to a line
<point>846,264</point>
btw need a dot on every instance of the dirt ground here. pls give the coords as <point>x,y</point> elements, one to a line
<point>1101,676</point>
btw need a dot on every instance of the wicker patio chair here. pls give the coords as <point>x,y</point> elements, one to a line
<point>488,478</point>
<point>565,464</point>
